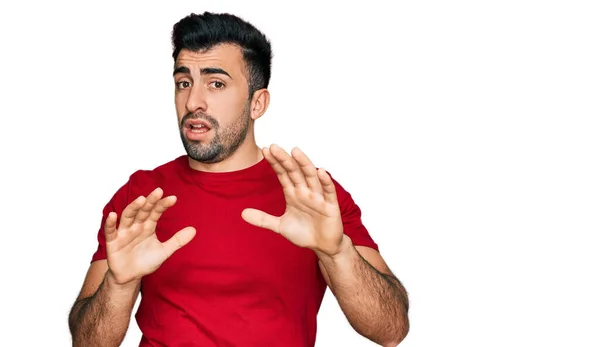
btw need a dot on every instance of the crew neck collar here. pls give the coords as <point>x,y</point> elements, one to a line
<point>258,170</point>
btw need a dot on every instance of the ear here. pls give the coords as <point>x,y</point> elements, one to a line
<point>259,103</point>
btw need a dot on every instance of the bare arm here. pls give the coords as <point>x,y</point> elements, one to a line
<point>372,298</point>
<point>102,317</point>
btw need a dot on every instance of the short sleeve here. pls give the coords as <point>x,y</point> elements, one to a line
<point>351,218</point>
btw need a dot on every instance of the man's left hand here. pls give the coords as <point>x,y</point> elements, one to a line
<point>312,216</point>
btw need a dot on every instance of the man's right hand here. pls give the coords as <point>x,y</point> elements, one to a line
<point>133,250</point>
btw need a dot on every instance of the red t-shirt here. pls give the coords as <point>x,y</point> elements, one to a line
<point>234,284</point>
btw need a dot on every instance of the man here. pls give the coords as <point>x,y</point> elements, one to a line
<point>231,245</point>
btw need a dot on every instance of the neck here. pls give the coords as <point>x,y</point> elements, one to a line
<point>245,156</point>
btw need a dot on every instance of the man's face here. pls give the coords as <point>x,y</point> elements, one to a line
<point>211,98</point>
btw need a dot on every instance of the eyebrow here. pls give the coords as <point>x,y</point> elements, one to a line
<point>203,71</point>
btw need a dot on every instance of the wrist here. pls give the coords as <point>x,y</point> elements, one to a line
<point>345,251</point>
<point>112,283</point>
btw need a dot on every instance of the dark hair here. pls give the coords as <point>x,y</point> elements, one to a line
<point>198,32</point>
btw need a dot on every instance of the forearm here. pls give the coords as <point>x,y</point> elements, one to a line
<point>103,318</point>
<point>375,304</point>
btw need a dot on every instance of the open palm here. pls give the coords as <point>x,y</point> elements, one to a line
<point>132,248</point>
<point>312,216</point>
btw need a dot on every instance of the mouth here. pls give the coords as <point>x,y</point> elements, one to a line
<point>197,126</point>
<point>197,130</point>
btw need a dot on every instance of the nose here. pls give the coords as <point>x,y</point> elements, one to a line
<point>196,100</point>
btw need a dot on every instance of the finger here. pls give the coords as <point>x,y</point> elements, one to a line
<point>261,219</point>
<point>180,239</point>
<point>160,207</point>
<point>290,165</point>
<point>328,187</point>
<point>128,215</point>
<point>145,210</point>
<point>282,175</point>
<point>154,215</point>
<point>308,169</point>
<point>110,227</point>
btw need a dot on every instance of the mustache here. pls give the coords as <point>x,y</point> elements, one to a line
<point>199,115</point>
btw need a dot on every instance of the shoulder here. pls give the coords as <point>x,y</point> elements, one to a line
<point>352,217</point>
<point>158,175</point>
<point>144,181</point>
<point>345,199</point>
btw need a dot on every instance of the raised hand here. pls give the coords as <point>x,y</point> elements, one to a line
<point>133,250</point>
<point>312,216</point>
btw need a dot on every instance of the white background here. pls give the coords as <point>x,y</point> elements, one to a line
<point>467,131</point>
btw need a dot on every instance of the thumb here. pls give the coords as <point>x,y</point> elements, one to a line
<point>261,219</point>
<point>180,239</point>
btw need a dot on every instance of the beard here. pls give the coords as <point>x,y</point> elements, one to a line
<point>225,141</point>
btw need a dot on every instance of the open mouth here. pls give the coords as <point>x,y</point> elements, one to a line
<point>197,127</point>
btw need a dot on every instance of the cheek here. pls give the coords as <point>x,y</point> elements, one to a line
<point>224,106</point>
<point>229,104</point>
<point>227,113</point>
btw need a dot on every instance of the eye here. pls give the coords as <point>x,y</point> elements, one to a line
<point>183,84</point>
<point>218,84</point>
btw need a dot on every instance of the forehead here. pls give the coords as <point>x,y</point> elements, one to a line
<point>226,56</point>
